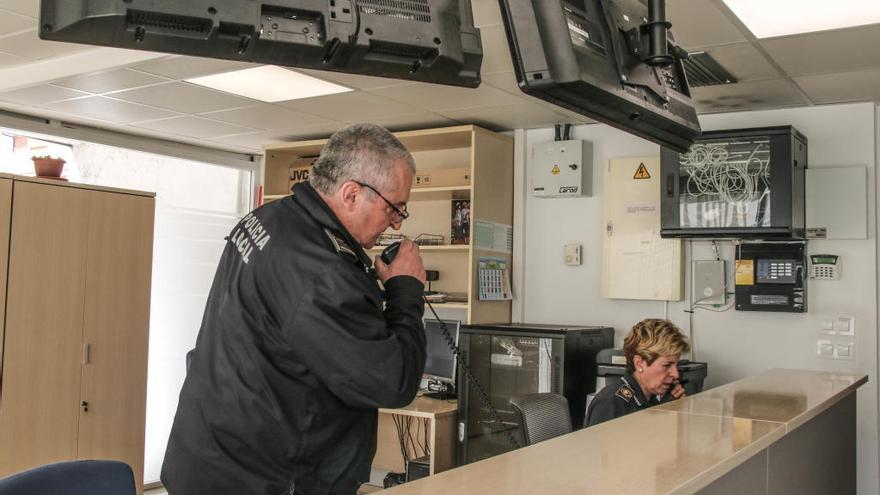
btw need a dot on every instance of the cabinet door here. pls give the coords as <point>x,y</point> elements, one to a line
<point>39,412</point>
<point>5,220</point>
<point>115,327</point>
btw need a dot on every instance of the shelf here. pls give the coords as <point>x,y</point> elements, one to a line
<point>447,305</point>
<point>442,192</point>
<point>448,247</point>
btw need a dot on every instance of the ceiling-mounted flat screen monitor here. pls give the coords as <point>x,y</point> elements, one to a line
<point>423,40</point>
<point>611,60</point>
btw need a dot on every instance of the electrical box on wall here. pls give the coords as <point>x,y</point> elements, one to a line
<point>561,169</point>
<point>771,277</point>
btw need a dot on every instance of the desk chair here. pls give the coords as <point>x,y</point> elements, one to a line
<point>72,478</point>
<point>542,416</point>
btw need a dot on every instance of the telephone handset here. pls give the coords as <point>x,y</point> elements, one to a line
<point>387,256</point>
<point>389,253</point>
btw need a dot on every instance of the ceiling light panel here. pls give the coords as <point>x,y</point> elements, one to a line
<point>767,19</point>
<point>269,83</point>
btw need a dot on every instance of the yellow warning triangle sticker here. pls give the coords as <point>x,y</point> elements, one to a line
<point>642,172</point>
<point>555,170</point>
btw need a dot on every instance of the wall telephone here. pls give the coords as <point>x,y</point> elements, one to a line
<point>387,256</point>
<point>825,266</point>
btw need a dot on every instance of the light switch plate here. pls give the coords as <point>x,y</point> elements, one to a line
<point>825,349</point>
<point>845,350</point>
<point>845,325</point>
<point>572,254</point>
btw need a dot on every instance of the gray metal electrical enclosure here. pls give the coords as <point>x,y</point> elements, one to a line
<point>562,169</point>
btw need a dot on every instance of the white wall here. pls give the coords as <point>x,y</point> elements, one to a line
<point>735,344</point>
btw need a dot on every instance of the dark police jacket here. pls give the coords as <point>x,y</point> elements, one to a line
<point>619,399</point>
<point>293,358</point>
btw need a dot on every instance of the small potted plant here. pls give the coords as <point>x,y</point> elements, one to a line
<point>48,166</point>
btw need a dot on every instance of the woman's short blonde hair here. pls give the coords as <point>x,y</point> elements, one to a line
<point>653,338</point>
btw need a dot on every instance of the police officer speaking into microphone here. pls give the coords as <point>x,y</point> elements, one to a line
<point>297,347</point>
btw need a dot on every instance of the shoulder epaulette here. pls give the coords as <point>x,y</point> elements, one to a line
<point>625,393</point>
<point>339,244</point>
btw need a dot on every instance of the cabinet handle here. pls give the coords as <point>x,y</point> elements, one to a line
<point>87,353</point>
<point>85,405</point>
<point>670,185</point>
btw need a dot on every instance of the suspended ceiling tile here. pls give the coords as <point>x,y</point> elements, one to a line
<point>27,45</point>
<point>486,12</point>
<point>438,98</point>
<point>356,106</point>
<point>507,82</point>
<point>40,95</point>
<point>744,61</point>
<point>183,67</point>
<point>319,131</point>
<point>354,81</point>
<point>192,126</point>
<point>506,117</point>
<point>752,95</point>
<point>11,22</point>
<point>496,54</point>
<point>103,108</point>
<point>30,8</point>
<point>842,87</point>
<point>266,116</point>
<point>114,80</point>
<point>252,141</point>
<point>184,97</point>
<point>8,60</point>
<point>841,50</point>
<point>409,122</point>
<point>700,23</point>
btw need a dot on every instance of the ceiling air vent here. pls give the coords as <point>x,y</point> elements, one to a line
<point>412,10</point>
<point>703,70</point>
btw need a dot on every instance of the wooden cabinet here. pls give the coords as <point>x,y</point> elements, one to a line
<point>77,321</point>
<point>487,160</point>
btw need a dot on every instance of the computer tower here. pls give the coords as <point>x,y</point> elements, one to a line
<point>518,359</point>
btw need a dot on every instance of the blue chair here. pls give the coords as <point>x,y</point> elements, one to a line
<point>72,478</point>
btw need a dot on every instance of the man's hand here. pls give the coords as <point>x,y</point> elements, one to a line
<point>677,391</point>
<point>407,262</point>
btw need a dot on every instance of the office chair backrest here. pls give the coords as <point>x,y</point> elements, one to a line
<point>72,478</point>
<point>542,416</point>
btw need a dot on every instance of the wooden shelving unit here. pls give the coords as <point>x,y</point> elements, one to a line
<point>488,156</point>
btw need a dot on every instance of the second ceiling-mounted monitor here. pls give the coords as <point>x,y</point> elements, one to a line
<point>611,60</point>
<point>423,40</point>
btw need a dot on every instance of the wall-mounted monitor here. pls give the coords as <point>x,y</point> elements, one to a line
<point>423,40</point>
<point>611,60</point>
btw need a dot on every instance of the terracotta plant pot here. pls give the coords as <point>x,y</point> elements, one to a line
<point>48,167</point>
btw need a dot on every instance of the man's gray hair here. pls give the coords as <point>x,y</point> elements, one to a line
<point>360,152</point>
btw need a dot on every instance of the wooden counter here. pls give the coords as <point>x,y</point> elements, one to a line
<point>783,431</point>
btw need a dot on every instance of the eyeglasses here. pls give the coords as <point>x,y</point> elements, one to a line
<point>402,214</point>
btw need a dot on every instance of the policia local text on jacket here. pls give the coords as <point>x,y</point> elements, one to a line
<point>294,356</point>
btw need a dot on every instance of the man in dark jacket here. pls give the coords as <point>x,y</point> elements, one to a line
<point>299,346</point>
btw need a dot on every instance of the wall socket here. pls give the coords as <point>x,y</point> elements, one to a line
<point>708,282</point>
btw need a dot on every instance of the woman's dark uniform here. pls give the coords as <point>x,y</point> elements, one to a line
<point>619,399</point>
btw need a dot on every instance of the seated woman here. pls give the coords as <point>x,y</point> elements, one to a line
<point>652,350</point>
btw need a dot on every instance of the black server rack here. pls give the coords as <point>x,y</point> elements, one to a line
<point>743,183</point>
<point>518,359</point>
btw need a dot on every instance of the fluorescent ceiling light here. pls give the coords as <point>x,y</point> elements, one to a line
<point>269,83</point>
<point>769,18</point>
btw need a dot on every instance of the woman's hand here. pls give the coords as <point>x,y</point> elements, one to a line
<point>677,391</point>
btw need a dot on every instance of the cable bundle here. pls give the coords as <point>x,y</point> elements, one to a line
<point>714,171</point>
